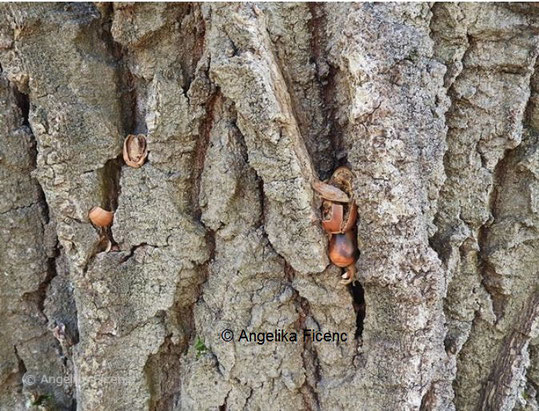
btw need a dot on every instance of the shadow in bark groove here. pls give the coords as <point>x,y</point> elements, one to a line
<point>326,76</point>
<point>358,294</point>
<point>37,297</point>
<point>163,392</point>
<point>124,79</point>
<point>23,102</point>
<point>427,402</point>
<point>109,175</point>
<point>36,301</point>
<point>214,103</point>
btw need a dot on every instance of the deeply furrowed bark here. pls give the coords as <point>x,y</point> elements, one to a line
<point>434,108</point>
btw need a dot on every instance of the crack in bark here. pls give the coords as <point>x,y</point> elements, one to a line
<point>39,296</point>
<point>328,85</point>
<point>125,79</point>
<point>439,242</point>
<point>35,300</point>
<point>20,363</point>
<point>224,406</point>
<point>358,295</point>
<point>509,359</point>
<point>162,376</point>
<point>486,270</point>
<point>427,402</point>
<point>311,363</point>
<point>213,103</point>
<point>489,276</point>
<point>110,174</point>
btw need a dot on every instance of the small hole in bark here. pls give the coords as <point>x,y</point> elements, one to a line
<point>342,159</point>
<point>450,345</point>
<point>23,102</point>
<point>358,294</point>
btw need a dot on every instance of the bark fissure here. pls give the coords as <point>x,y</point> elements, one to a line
<point>326,76</point>
<point>358,295</point>
<point>131,117</point>
<point>509,359</point>
<point>38,296</point>
<point>310,360</point>
<point>20,361</point>
<point>201,149</point>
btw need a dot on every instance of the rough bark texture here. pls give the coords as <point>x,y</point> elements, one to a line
<point>434,107</point>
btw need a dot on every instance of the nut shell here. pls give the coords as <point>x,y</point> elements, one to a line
<point>135,150</point>
<point>329,192</point>
<point>342,249</point>
<point>100,217</point>
<point>350,217</point>
<point>342,178</point>
<point>334,221</point>
<point>339,218</point>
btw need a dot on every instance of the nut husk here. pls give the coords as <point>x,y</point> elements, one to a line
<point>332,221</point>
<point>330,192</point>
<point>338,218</point>
<point>342,178</point>
<point>135,150</point>
<point>350,216</point>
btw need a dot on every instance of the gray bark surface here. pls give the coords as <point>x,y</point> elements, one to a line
<point>435,107</point>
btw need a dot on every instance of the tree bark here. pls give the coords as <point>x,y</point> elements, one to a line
<point>435,108</point>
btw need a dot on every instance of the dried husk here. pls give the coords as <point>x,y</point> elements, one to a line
<point>135,150</point>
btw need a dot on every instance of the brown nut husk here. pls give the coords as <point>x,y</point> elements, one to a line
<point>350,217</point>
<point>135,150</point>
<point>338,218</point>
<point>330,192</point>
<point>100,217</point>
<point>342,178</point>
<point>332,218</point>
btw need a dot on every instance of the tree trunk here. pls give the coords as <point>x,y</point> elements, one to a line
<point>435,108</point>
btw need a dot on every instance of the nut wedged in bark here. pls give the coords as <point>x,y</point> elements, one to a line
<point>332,220</point>
<point>342,249</point>
<point>135,150</point>
<point>100,217</point>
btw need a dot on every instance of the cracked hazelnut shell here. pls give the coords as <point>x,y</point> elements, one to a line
<point>100,217</point>
<point>135,150</point>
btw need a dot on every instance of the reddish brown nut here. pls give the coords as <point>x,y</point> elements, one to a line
<point>100,217</point>
<point>135,150</point>
<point>342,249</point>
<point>333,220</point>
